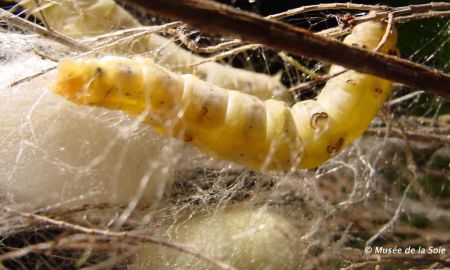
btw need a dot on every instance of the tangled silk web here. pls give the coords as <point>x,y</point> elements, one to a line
<point>103,190</point>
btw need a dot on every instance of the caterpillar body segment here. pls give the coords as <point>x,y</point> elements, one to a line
<point>225,123</point>
<point>83,18</point>
<point>265,135</point>
<point>347,103</point>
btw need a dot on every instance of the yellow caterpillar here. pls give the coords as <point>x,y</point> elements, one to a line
<point>264,135</point>
<point>93,17</point>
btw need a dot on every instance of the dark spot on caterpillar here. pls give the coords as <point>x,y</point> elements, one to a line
<point>351,82</point>
<point>334,149</point>
<point>99,71</point>
<point>248,84</point>
<point>211,89</point>
<point>362,46</point>
<point>107,92</point>
<point>393,52</point>
<point>187,137</point>
<point>250,127</point>
<point>241,155</point>
<point>316,118</point>
<point>378,90</point>
<point>161,102</point>
<point>204,111</point>
<point>127,94</point>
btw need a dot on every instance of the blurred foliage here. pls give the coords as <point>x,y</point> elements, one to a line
<point>427,42</point>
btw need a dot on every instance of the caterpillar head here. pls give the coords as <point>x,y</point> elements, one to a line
<point>118,83</point>
<point>77,81</point>
<point>110,82</point>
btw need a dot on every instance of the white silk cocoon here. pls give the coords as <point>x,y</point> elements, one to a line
<point>244,238</point>
<point>58,154</point>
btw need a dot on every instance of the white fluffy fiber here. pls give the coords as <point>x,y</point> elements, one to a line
<point>57,154</point>
<point>244,238</point>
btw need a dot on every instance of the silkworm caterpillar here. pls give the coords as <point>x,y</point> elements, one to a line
<point>93,17</point>
<point>265,135</point>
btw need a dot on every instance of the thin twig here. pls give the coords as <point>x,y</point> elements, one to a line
<point>307,85</point>
<point>415,136</point>
<point>221,19</point>
<point>390,225</point>
<point>387,33</point>
<point>412,165</point>
<point>409,10</point>
<point>379,260</point>
<point>421,16</point>
<point>404,98</point>
<point>71,242</point>
<point>44,20</point>
<point>335,32</point>
<point>400,14</point>
<point>58,37</point>
<point>124,32</point>
<point>299,66</point>
<point>122,235</point>
<point>228,53</point>
<point>45,56</point>
<point>193,46</point>
<point>319,7</point>
<point>133,37</point>
<point>28,78</point>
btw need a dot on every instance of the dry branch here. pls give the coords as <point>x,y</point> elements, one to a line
<point>122,235</point>
<point>319,7</point>
<point>221,19</point>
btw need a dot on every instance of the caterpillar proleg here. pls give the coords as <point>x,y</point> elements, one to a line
<point>264,135</point>
<point>93,17</point>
